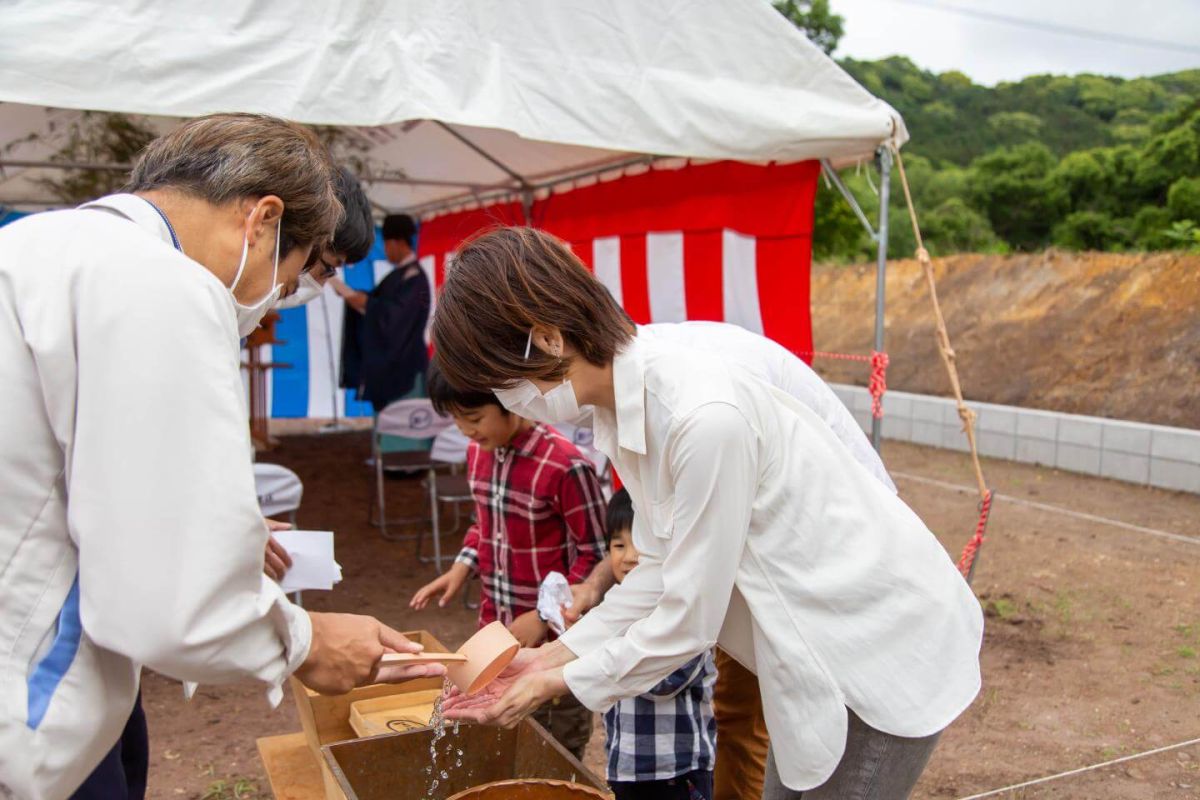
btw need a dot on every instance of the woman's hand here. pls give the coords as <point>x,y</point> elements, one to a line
<point>529,629</point>
<point>505,705</point>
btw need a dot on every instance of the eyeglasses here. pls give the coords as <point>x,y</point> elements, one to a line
<point>323,269</point>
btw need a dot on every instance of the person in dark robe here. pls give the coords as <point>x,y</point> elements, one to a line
<point>384,354</point>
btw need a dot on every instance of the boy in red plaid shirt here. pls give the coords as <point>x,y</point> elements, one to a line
<point>538,509</point>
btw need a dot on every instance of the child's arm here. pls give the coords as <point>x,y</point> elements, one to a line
<point>450,583</point>
<point>581,503</point>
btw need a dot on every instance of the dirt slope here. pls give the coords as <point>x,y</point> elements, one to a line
<point>1112,335</point>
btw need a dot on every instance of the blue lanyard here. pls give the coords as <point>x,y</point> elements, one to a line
<point>170,227</point>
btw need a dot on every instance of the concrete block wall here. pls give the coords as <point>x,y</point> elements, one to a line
<point>1137,452</point>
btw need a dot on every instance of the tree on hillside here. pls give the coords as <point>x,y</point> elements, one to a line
<point>954,119</point>
<point>1093,230</point>
<point>815,18</point>
<point>1011,187</point>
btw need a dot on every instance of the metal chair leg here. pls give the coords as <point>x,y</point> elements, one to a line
<point>437,529</point>
<point>379,499</point>
<point>467,594</point>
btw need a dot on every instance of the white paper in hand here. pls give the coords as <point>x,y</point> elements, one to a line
<point>553,594</point>
<point>313,566</point>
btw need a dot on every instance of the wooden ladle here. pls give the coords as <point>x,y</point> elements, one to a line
<point>404,659</point>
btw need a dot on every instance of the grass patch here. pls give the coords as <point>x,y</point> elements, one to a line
<point>236,788</point>
<point>1186,652</point>
<point>1064,606</point>
<point>1002,608</point>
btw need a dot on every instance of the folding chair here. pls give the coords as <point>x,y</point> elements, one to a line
<point>411,419</point>
<point>279,491</point>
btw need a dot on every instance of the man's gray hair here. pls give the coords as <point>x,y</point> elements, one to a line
<point>227,157</point>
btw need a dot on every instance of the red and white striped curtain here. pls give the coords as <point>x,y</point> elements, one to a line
<point>723,241</point>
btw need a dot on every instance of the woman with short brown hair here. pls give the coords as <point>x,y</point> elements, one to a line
<point>758,531</point>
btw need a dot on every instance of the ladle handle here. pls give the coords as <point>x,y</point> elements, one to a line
<point>420,658</point>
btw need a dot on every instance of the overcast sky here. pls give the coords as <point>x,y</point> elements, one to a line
<point>935,37</point>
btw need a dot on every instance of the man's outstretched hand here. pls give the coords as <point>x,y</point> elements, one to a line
<point>346,651</point>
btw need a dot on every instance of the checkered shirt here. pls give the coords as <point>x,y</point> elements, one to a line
<point>539,509</point>
<point>668,731</point>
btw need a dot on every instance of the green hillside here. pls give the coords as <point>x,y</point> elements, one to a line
<point>1079,162</point>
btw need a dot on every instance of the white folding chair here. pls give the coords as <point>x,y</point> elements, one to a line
<point>450,447</point>
<point>411,419</point>
<point>584,441</point>
<point>279,491</point>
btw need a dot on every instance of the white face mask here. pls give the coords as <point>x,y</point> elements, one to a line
<point>309,289</point>
<point>248,317</point>
<point>525,400</point>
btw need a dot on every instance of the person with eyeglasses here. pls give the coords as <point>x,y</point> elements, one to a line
<point>351,243</point>
<point>130,530</point>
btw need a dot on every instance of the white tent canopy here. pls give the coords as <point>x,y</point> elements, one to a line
<point>445,101</point>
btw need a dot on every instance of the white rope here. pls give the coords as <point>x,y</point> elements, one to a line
<point>1175,537</point>
<point>1069,773</point>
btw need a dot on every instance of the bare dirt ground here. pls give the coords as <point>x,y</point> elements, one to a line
<point>1090,652</point>
<point>1107,334</point>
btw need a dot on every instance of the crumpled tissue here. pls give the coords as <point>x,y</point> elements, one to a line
<point>553,594</point>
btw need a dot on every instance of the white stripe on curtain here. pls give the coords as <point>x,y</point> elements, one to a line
<point>606,259</point>
<point>381,267</point>
<point>739,281</point>
<point>429,267</point>
<point>664,277</point>
<point>322,378</point>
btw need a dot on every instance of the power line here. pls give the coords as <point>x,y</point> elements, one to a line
<point>1051,27</point>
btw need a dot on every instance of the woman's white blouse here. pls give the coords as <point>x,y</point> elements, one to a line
<point>760,532</point>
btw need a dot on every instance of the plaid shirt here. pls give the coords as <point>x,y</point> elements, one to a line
<point>539,509</point>
<point>668,731</point>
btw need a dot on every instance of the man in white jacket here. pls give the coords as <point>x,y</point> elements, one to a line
<point>129,530</point>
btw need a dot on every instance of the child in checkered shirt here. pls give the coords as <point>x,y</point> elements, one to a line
<point>661,744</point>
<point>538,509</point>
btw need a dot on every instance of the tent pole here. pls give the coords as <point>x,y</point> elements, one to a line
<point>497,194</point>
<point>485,155</point>
<point>832,175</point>
<point>527,206</point>
<point>885,182</point>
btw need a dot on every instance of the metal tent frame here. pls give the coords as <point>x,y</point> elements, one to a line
<point>880,237</point>
<point>525,189</point>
